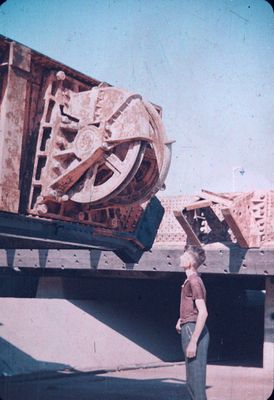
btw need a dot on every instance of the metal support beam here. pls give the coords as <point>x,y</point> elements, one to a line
<point>158,261</point>
<point>20,231</point>
<point>192,237</point>
<point>12,120</point>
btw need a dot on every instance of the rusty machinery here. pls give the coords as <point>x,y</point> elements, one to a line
<point>74,149</point>
<point>246,219</point>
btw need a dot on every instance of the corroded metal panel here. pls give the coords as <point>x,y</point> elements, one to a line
<point>20,57</point>
<point>35,233</point>
<point>170,232</point>
<point>76,149</point>
<point>84,144</point>
<point>95,148</point>
<point>158,263</point>
<point>243,218</point>
<point>14,105</point>
<point>252,213</point>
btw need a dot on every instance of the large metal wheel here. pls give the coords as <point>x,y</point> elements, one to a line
<point>110,175</point>
<point>104,147</point>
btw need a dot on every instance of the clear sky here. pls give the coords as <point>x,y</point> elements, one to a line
<point>208,63</point>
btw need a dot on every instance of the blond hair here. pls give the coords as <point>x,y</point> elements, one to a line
<point>197,254</point>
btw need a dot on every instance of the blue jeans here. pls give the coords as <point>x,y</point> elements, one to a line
<point>195,367</point>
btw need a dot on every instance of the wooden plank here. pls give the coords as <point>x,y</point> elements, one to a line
<point>192,237</point>
<point>235,227</point>
<point>216,198</point>
<point>198,204</point>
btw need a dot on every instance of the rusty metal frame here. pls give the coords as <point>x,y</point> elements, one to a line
<point>191,235</point>
<point>157,263</point>
<point>38,94</point>
<point>32,233</point>
<point>242,218</point>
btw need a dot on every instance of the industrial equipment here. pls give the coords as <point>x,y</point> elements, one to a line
<point>77,150</point>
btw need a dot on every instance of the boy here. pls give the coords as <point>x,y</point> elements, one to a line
<point>191,323</point>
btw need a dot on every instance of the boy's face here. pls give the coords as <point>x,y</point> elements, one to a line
<point>185,261</point>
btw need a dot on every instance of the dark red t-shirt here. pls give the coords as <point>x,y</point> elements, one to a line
<point>192,289</point>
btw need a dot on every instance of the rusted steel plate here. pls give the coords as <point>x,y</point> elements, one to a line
<point>20,57</point>
<point>191,236</point>
<point>217,198</point>
<point>243,218</point>
<point>198,204</point>
<point>220,259</point>
<point>74,148</point>
<point>249,218</point>
<point>97,147</point>
<point>12,121</point>
<point>28,232</point>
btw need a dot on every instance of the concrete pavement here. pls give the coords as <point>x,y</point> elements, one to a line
<point>161,383</point>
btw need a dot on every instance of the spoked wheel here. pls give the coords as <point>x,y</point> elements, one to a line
<point>96,149</point>
<point>110,175</point>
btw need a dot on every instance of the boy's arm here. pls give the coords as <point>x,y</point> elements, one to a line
<point>178,325</point>
<point>200,323</point>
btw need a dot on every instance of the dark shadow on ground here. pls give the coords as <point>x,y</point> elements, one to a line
<point>140,311</point>
<point>14,361</point>
<point>139,325</point>
<point>96,387</point>
<point>146,312</point>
